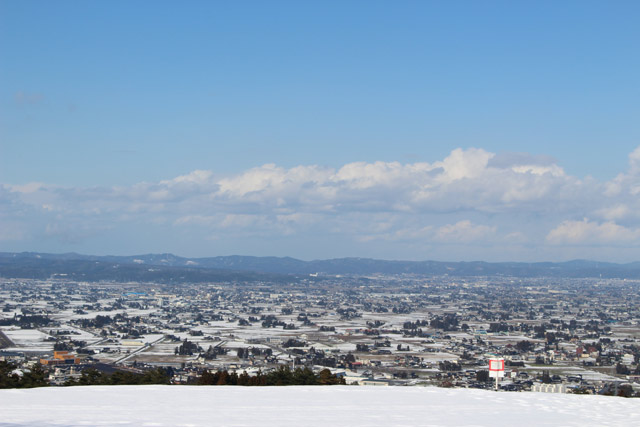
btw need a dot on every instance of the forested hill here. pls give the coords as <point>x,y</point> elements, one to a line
<point>169,267</point>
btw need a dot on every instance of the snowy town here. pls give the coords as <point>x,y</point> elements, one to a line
<point>555,335</point>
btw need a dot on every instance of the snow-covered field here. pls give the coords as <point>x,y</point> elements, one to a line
<point>306,406</point>
<point>27,339</point>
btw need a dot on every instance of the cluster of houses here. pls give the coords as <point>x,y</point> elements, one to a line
<point>556,335</point>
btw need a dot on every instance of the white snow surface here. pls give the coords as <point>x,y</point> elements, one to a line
<point>306,406</point>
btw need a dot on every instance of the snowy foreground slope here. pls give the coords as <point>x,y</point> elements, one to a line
<point>306,406</point>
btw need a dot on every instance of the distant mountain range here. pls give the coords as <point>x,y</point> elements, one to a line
<point>172,268</point>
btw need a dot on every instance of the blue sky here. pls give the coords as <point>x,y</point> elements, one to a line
<point>105,105</point>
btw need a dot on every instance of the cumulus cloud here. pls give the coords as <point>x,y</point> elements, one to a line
<point>616,212</point>
<point>470,197</point>
<point>585,231</point>
<point>463,180</point>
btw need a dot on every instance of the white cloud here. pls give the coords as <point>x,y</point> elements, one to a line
<point>589,232</point>
<point>634,162</point>
<point>198,177</point>
<point>472,196</point>
<point>30,187</point>
<point>616,212</point>
<point>462,181</point>
<point>460,164</point>
<point>554,170</point>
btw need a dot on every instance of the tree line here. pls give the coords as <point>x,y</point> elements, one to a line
<point>278,377</point>
<point>95,377</point>
<point>11,377</point>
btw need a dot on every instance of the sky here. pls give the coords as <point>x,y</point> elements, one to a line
<point>493,130</point>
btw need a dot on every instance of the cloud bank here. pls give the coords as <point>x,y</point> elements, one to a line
<point>511,203</point>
